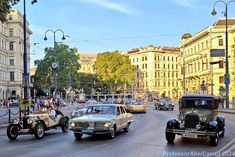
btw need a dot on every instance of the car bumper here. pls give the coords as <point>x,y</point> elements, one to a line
<point>138,110</point>
<point>91,131</point>
<point>191,132</point>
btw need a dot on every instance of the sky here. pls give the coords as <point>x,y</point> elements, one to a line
<point>95,26</point>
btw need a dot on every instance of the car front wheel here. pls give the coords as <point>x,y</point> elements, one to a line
<point>113,133</point>
<point>170,137</point>
<point>223,132</point>
<point>214,140</point>
<point>78,136</point>
<point>12,131</point>
<point>39,131</point>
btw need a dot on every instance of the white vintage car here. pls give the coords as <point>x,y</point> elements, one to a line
<point>37,123</point>
<point>102,119</point>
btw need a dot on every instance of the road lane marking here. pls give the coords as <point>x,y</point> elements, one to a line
<point>27,145</point>
<point>85,150</point>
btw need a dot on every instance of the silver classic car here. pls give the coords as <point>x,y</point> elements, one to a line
<point>102,119</point>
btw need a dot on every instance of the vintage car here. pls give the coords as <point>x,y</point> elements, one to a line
<point>198,117</point>
<point>137,107</point>
<point>164,103</point>
<point>37,123</point>
<point>102,119</point>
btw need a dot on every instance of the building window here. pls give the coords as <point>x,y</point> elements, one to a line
<point>172,59</point>
<point>146,66</point>
<point>11,62</point>
<point>137,59</point>
<point>145,58</point>
<point>133,60</point>
<point>163,58</point>
<point>164,66</point>
<point>158,58</point>
<point>221,42</point>
<point>168,58</point>
<point>206,44</point>
<point>168,66</point>
<point>146,75</point>
<point>142,58</point>
<point>221,79</point>
<point>12,76</point>
<point>172,66</point>
<point>11,45</point>
<point>11,32</point>
<point>155,74</point>
<point>10,17</point>
<point>155,57</point>
<point>155,66</point>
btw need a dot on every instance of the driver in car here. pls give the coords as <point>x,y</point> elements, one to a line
<point>51,112</point>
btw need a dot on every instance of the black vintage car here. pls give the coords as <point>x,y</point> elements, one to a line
<point>164,103</point>
<point>198,117</point>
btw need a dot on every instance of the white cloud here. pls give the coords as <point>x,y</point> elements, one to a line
<point>120,7</point>
<point>185,3</point>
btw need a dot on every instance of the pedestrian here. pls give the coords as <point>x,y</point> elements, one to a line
<point>222,101</point>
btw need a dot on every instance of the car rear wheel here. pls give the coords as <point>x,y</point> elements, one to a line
<point>78,136</point>
<point>12,131</point>
<point>223,132</point>
<point>126,129</point>
<point>39,131</point>
<point>170,137</point>
<point>214,140</point>
<point>65,126</point>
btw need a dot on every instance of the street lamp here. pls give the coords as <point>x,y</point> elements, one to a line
<point>25,71</point>
<point>226,78</point>
<point>54,64</point>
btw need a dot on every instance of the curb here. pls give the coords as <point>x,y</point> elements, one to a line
<point>3,126</point>
<point>230,112</point>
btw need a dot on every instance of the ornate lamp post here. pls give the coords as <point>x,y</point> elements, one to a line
<point>25,62</point>
<point>226,78</point>
<point>54,64</point>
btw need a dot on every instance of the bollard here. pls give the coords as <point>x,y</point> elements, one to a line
<point>20,114</point>
<point>9,115</point>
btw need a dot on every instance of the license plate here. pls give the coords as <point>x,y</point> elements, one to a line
<point>88,131</point>
<point>189,135</point>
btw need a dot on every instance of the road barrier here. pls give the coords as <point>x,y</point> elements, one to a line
<point>9,113</point>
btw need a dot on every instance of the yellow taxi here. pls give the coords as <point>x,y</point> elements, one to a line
<point>137,106</point>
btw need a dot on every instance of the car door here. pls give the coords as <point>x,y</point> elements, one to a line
<point>125,117</point>
<point>119,119</point>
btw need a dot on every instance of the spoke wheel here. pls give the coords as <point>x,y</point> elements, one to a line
<point>12,131</point>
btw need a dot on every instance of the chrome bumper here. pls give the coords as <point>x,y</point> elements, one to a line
<point>199,133</point>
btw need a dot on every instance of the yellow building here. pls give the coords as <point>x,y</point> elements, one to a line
<point>157,70</point>
<point>195,54</point>
<point>86,61</point>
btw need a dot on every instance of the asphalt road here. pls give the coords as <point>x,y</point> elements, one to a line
<point>146,138</point>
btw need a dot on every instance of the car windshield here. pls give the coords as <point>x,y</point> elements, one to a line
<point>197,103</point>
<point>101,109</point>
<point>163,100</point>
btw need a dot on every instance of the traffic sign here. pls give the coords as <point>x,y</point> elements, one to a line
<point>227,79</point>
<point>217,53</point>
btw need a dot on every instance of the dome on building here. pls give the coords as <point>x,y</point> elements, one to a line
<point>186,36</point>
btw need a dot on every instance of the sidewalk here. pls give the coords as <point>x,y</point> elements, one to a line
<point>225,110</point>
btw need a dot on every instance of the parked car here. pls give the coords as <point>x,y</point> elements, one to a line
<point>102,119</point>
<point>14,102</point>
<point>164,103</point>
<point>198,117</point>
<point>36,124</point>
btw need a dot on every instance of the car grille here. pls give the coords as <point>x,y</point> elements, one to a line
<point>25,123</point>
<point>191,120</point>
<point>85,125</point>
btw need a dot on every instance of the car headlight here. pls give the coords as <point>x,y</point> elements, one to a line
<point>29,121</point>
<point>203,119</point>
<point>72,124</point>
<point>16,121</point>
<point>107,125</point>
<point>181,117</point>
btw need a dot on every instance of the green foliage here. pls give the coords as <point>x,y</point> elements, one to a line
<point>67,59</point>
<point>114,69</point>
<point>5,6</point>
<point>87,82</point>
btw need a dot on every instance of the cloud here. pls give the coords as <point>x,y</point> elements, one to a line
<point>119,7</point>
<point>184,3</point>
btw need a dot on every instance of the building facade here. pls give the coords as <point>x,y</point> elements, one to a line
<point>86,61</point>
<point>11,55</point>
<point>200,66</point>
<point>157,70</point>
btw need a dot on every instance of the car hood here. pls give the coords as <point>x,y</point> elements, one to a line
<point>94,118</point>
<point>201,112</point>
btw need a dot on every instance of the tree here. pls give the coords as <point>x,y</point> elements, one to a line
<point>67,71</point>
<point>114,69</point>
<point>5,6</point>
